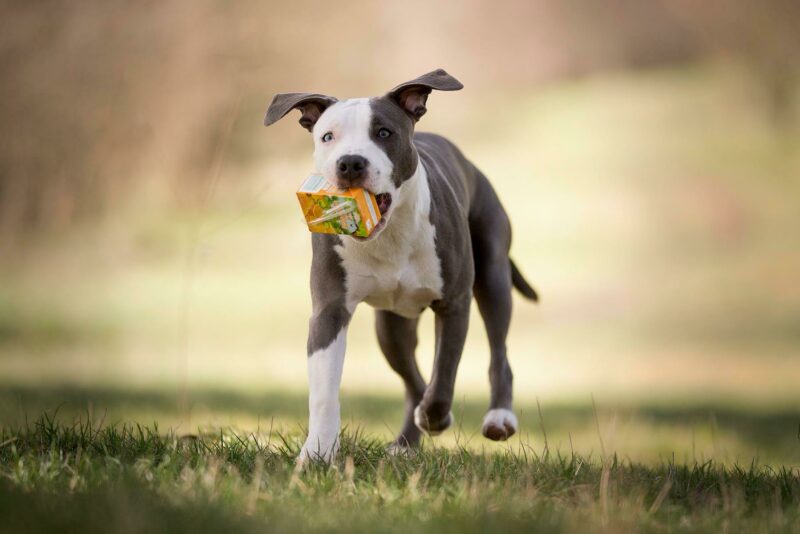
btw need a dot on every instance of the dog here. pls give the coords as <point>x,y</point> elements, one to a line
<point>443,238</point>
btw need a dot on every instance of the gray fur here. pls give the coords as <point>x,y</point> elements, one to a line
<point>311,106</point>
<point>397,337</point>
<point>329,311</point>
<point>399,146</point>
<point>412,96</point>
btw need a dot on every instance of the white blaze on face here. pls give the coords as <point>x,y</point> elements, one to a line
<point>349,122</point>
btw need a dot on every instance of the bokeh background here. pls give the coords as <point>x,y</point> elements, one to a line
<point>154,263</point>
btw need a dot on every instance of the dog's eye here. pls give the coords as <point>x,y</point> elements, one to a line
<point>383,133</point>
<point>327,137</point>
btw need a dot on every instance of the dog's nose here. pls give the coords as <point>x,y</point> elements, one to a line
<point>351,168</point>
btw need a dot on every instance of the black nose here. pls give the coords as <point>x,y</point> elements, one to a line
<point>351,168</point>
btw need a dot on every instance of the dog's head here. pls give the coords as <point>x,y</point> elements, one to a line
<point>365,142</point>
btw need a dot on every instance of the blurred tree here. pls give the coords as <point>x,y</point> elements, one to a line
<point>100,99</point>
<point>765,34</point>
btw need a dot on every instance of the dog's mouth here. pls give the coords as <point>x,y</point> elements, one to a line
<point>384,201</point>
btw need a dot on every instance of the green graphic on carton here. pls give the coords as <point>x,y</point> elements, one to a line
<point>339,214</point>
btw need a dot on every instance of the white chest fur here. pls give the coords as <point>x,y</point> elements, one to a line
<point>399,270</point>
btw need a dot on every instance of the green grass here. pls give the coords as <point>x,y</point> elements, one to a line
<point>725,431</point>
<point>133,478</point>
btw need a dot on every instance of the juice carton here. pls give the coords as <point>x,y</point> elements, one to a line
<point>330,210</point>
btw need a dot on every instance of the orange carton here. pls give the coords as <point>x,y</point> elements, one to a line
<point>330,210</point>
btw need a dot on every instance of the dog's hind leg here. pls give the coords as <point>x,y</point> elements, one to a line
<point>493,295</point>
<point>491,239</point>
<point>397,337</point>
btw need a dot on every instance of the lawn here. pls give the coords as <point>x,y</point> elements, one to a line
<point>84,477</point>
<point>135,461</point>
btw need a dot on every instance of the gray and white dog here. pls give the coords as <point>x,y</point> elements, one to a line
<point>443,238</point>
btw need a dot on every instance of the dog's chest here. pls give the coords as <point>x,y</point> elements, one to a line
<point>402,275</point>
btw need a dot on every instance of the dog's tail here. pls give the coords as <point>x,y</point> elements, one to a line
<point>521,284</point>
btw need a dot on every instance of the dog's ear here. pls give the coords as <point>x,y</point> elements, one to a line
<point>412,96</point>
<point>311,105</point>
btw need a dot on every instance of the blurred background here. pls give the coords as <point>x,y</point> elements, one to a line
<point>154,262</point>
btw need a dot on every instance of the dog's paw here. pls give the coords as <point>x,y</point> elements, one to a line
<point>397,448</point>
<point>315,451</point>
<point>432,424</point>
<point>499,424</point>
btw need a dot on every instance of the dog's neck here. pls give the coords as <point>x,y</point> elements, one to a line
<point>413,203</point>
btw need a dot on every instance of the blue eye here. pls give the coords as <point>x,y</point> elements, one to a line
<point>327,137</point>
<point>383,133</point>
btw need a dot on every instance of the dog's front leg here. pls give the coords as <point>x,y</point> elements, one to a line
<point>326,347</point>
<point>433,413</point>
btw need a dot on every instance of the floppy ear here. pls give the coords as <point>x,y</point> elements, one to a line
<point>412,96</point>
<point>311,106</point>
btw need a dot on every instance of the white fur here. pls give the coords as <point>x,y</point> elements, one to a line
<point>398,271</point>
<point>349,122</point>
<point>500,418</point>
<point>324,379</point>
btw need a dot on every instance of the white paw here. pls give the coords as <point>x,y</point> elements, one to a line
<point>421,420</point>
<point>317,450</point>
<point>499,424</point>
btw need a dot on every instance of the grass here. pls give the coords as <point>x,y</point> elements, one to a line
<point>725,430</point>
<point>81,476</point>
